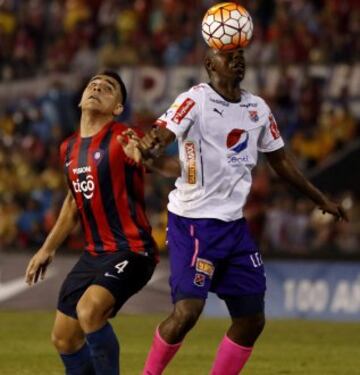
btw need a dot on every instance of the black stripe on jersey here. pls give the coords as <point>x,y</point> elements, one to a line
<point>107,195</point>
<point>130,188</point>
<point>83,162</point>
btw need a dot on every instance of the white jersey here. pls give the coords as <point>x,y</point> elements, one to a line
<point>218,147</point>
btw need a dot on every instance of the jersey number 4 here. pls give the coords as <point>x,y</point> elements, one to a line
<point>121,266</point>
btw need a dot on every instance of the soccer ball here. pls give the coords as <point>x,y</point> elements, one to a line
<point>227,26</point>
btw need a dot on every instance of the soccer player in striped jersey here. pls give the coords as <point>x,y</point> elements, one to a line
<point>220,129</point>
<point>106,194</point>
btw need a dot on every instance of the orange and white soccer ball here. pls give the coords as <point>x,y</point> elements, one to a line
<point>227,26</point>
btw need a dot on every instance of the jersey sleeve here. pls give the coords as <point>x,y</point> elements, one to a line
<point>270,138</point>
<point>181,115</point>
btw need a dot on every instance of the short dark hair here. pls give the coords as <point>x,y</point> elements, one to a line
<point>116,76</point>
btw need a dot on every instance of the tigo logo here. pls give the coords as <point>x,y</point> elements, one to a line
<point>86,187</point>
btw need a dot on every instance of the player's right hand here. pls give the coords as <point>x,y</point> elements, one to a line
<point>38,265</point>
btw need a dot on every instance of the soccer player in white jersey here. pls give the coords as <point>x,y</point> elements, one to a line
<point>220,129</point>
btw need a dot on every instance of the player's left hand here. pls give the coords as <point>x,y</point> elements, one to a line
<point>334,209</point>
<point>130,141</point>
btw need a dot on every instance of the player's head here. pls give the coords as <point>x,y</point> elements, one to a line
<point>105,93</point>
<point>225,64</point>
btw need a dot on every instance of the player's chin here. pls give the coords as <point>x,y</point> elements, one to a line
<point>238,74</point>
<point>92,106</point>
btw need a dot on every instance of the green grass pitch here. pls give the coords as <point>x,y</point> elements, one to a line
<point>285,348</point>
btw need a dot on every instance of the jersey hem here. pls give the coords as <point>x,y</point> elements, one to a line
<point>206,215</point>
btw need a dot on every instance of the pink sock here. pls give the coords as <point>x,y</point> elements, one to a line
<point>160,355</point>
<point>230,358</point>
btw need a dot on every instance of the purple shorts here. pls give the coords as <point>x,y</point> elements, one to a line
<point>213,255</point>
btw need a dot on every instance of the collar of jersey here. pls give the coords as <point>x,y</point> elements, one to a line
<point>103,129</point>
<point>226,99</point>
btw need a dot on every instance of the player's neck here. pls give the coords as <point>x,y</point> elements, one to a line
<point>91,123</point>
<point>229,90</point>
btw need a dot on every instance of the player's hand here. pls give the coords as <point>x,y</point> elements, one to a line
<point>38,265</point>
<point>334,209</point>
<point>130,143</point>
<point>151,145</point>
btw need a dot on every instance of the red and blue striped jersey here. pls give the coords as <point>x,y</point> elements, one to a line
<point>109,192</point>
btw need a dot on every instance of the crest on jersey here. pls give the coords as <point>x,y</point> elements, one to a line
<point>254,117</point>
<point>237,140</point>
<point>98,155</point>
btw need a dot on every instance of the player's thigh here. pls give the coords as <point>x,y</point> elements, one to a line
<point>241,283</point>
<point>191,262</point>
<point>75,284</point>
<point>97,302</point>
<point>122,276</point>
<point>67,335</point>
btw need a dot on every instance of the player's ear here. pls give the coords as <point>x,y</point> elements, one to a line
<point>208,64</point>
<point>118,109</point>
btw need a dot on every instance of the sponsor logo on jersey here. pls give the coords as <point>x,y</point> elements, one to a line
<point>247,105</point>
<point>254,117</point>
<point>82,170</point>
<point>237,141</point>
<point>221,102</point>
<point>205,266</point>
<point>218,112</point>
<point>86,187</point>
<point>275,132</point>
<point>199,279</point>
<point>190,155</point>
<point>160,123</point>
<point>183,110</point>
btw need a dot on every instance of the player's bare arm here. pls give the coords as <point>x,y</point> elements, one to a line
<point>286,168</point>
<point>149,150</point>
<point>64,225</point>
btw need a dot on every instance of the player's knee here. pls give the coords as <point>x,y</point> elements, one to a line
<point>186,318</point>
<point>65,344</point>
<point>90,315</point>
<point>255,325</point>
<point>246,330</point>
<point>258,324</point>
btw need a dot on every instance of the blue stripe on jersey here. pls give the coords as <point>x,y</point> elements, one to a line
<point>83,162</point>
<point>108,197</point>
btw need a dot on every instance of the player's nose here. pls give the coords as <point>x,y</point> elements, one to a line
<point>97,88</point>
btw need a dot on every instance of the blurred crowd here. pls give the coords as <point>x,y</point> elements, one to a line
<point>38,37</point>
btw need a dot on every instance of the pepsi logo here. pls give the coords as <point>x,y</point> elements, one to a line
<point>237,140</point>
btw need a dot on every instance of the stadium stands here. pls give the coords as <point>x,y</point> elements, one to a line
<point>41,38</point>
